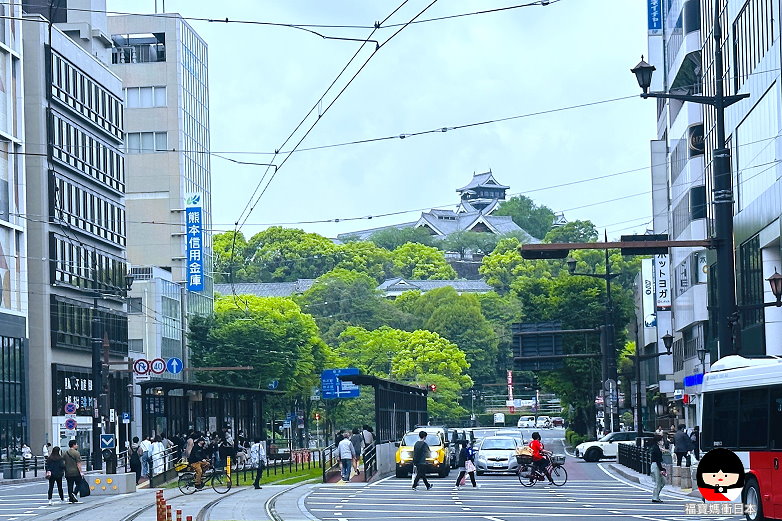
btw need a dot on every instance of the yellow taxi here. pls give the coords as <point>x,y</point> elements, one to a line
<point>438,459</point>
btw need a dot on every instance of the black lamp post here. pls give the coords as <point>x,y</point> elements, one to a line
<point>99,372</point>
<point>637,359</point>
<point>609,371</point>
<point>721,185</point>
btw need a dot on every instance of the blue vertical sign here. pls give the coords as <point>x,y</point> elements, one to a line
<point>194,250</point>
<point>655,13</point>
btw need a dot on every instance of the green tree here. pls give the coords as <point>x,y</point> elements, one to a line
<point>418,261</point>
<point>393,238</point>
<point>535,220</point>
<point>287,254</point>
<point>505,265</point>
<point>271,335</point>
<point>501,311</point>
<point>418,357</point>
<point>366,257</point>
<point>230,255</point>
<point>463,241</point>
<point>574,231</point>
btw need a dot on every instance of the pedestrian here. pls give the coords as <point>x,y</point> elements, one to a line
<point>135,459</point>
<point>681,445</point>
<point>347,454</point>
<point>258,460</point>
<point>143,451</point>
<point>357,440</point>
<point>55,470</point>
<point>421,451</point>
<point>658,471</point>
<point>27,452</point>
<point>659,430</point>
<point>369,436</point>
<point>45,449</point>
<point>466,463</point>
<point>191,437</point>
<point>72,460</point>
<point>157,456</point>
<point>695,438</point>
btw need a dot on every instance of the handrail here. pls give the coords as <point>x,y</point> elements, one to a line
<point>369,455</point>
<point>329,461</point>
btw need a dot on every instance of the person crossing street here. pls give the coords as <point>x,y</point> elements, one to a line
<point>421,451</point>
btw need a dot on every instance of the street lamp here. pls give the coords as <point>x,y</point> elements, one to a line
<point>99,380</point>
<point>637,359</point>
<point>775,281</point>
<point>721,185</point>
<point>609,371</point>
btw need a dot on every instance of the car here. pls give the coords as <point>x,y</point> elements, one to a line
<point>456,437</point>
<point>543,422</point>
<point>446,434</point>
<point>497,454</point>
<point>480,433</point>
<point>438,460</point>
<point>557,421</point>
<point>526,422</point>
<point>605,447</point>
<point>512,433</point>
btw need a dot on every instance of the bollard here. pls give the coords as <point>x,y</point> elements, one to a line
<point>168,513</point>
<point>189,518</point>
<point>178,515</point>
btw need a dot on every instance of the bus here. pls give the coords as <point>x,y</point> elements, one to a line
<point>741,410</point>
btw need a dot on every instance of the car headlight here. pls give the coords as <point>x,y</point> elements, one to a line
<point>406,455</point>
<point>433,454</point>
<point>481,458</point>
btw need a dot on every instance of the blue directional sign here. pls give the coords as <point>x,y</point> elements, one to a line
<point>174,365</point>
<point>273,384</point>
<point>107,441</point>
<point>332,387</point>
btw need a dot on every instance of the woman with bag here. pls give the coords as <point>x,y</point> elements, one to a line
<point>135,459</point>
<point>466,462</point>
<point>72,460</point>
<point>55,470</point>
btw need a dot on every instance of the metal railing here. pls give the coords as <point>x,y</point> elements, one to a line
<point>161,467</point>
<point>636,458</point>
<point>294,461</point>
<point>330,463</point>
<point>369,456</point>
<point>34,466</point>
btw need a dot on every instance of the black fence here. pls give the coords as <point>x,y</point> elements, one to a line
<point>290,462</point>
<point>636,458</point>
<point>34,466</point>
<point>369,456</point>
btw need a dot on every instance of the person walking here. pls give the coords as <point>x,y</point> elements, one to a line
<point>144,453</point>
<point>258,460</point>
<point>135,459</point>
<point>695,439</point>
<point>421,451</point>
<point>658,471</point>
<point>347,454</point>
<point>466,463</point>
<point>358,441</point>
<point>369,436</point>
<point>45,449</point>
<point>157,456</point>
<point>681,445</point>
<point>72,460</point>
<point>55,470</point>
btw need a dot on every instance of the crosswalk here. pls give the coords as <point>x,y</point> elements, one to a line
<point>26,501</point>
<point>499,498</point>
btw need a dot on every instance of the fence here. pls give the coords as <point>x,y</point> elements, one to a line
<point>369,455</point>
<point>634,457</point>
<point>329,458</point>
<point>294,461</point>
<point>23,467</point>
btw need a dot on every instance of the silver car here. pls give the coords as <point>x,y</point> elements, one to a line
<point>497,454</point>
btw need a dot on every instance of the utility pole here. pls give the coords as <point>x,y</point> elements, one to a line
<point>97,384</point>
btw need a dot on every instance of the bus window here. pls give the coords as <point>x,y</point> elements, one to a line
<point>775,418</point>
<point>753,420</point>
<point>725,419</point>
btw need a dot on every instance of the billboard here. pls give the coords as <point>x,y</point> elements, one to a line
<point>194,236</point>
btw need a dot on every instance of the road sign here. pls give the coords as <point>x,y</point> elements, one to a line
<point>610,385</point>
<point>141,366</point>
<point>158,366</point>
<point>70,408</point>
<point>273,385</point>
<point>125,417</point>
<point>112,415</point>
<point>70,424</point>
<point>332,387</point>
<point>107,441</point>
<point>174,365</point>
<point>286,424</point>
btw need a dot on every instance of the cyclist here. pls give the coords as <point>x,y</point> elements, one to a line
<point>199,460</point>
<point>540,460</point>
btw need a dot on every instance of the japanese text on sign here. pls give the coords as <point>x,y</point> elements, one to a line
<point>655,16</point>
<point>662,282</point>
<point>194,246</point>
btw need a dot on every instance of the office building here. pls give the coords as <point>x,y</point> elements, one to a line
<point>76,239</point>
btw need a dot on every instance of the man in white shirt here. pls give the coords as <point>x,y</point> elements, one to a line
<point>146,457</point>
<point>346,455</point>
<point>258,459</point>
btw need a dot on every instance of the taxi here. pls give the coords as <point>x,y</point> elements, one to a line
<point>438,459</point>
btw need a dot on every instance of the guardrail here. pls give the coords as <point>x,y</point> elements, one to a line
<point>369,455</point>
<point>161,467</point>
<point>634,457</point>
<point>294,461</point>
<point>23,467</point>
<point>330,463</point>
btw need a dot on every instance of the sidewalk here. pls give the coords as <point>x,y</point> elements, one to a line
<point>647,482</point>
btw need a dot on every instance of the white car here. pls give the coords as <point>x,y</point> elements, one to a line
<point>544,422</point>
<point>497,454</point>
<point>526,422</point>
<point>605,447</point>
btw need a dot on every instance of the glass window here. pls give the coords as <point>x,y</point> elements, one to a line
<point>161,140</point>
<point>753,421</point>
<point>147,142</point>
<point>725,426</point>
<point>160,96</point>
<point>775,418</point>
<point>132,97</point>
<point>145,97</point>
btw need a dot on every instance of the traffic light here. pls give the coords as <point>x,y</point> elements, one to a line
<point>432,388</point>
<point>317,416</point>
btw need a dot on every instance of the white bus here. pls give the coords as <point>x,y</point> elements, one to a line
<point>742,411</point>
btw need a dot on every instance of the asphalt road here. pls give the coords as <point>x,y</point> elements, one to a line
<point>590,493</point>
<point>28,500</point>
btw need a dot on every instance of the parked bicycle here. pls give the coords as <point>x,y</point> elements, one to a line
<point>218,479</point>
<point>529,475</point>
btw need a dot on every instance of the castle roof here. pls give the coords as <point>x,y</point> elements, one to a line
<point>484,180</point>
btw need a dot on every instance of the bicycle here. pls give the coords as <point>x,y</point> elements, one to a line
<point>218,479</point>
<point>529,475</point>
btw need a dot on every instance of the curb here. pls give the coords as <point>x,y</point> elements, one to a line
<point>624,474</point>
<point>269,507</point>
<point>635,479</point>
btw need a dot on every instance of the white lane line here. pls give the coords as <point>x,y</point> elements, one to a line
<point>635,485</point>
<point>342,519</point>
<point>649,518</point>
<point>490,518</point>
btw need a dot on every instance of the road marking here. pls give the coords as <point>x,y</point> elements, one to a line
<point>636,485</point>
<point>490,518</point>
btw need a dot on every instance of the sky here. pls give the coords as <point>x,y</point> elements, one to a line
<point>446,73</point>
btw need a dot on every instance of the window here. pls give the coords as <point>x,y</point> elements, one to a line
<point>753,34</point>
<point>753,421</point>
<point>146,142</point>
<point>136,345</point>
<point>751,266</point>
<point>145,97</point>
<point>135,305</point>
<point>725,424</point>
<point>775,418</point>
